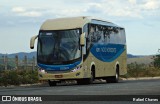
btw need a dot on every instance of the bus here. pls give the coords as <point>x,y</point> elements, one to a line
<point>81,49</point>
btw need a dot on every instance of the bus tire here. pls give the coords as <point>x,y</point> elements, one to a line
<point>114,79</point>
<point>87,80</point>
<point>91,79</point>
<point>80,81</point>
<point>52,83</point>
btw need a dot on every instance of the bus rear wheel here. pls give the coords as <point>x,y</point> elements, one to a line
<point>113,79</point>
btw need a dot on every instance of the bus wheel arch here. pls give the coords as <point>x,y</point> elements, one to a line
<point>93,69</point>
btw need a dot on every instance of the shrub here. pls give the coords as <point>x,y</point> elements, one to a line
<point>156,61</point>
<point>17,77</point>
<point>142,70</point>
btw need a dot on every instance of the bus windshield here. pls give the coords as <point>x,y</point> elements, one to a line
<point>58,47</point>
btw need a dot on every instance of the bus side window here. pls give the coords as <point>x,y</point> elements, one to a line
<point>116,36</point>
<point>96,33</point>
<point>107,34</point>
<point>123,37</point>
<point>90,36</point>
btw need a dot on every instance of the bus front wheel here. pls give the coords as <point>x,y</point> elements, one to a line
<point>52,83</point>
<point>91,79</point>
<point>87,80</point>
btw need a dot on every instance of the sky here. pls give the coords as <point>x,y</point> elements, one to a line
<point>21,19</point>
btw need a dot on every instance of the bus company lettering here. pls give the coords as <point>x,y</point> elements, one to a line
<point>105,49</point>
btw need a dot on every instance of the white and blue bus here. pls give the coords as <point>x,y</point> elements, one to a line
<point>81,49</point>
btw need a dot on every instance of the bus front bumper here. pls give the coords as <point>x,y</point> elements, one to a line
<point>61,76</point>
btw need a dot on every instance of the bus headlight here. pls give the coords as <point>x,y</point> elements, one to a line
<point>42,71</point>
<point>77,68</point>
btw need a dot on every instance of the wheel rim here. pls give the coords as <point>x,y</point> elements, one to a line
<point>116,76</point>
<point>91,76</point>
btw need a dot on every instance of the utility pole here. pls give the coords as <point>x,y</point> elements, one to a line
<point>5,62</point>
<point>33,63</point>
<point>25,62</point>
<point>16,61</point>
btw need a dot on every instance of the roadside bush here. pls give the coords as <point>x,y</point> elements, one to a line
<point>17,77</point>
<point>156,61</point>
<point>141,70</point>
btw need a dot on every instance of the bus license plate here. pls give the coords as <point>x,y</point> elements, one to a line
<point>58,76</point>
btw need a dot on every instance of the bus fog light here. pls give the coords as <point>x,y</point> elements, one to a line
<point>40,75</point>
<point>77,74</point>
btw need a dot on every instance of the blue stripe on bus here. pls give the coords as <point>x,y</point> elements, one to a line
<point>107,52</point>
<point>59,67</point>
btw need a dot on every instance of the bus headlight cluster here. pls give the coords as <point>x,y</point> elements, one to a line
<point>42,71</point>
<point>77,68</point>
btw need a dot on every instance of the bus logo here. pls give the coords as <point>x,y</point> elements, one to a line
<point>6,98</point>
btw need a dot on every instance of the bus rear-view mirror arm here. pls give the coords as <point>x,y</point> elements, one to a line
<point>32,41</point>
<point>82,39</point>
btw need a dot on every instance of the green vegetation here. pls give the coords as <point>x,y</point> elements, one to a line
<point>14,71</point>
<point>141,70</point>
<point>151,69</point>
<point>17,77</point>
<point>156,61</point>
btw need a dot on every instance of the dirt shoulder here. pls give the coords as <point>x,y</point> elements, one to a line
<point>140,78</point>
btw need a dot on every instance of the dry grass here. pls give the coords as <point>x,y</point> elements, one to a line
<point>142,70</point>
<point>141,60</point>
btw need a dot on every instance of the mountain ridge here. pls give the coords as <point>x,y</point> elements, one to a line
<point>31,54</point>
<point>21,55</point>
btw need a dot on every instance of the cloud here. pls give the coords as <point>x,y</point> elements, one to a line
<point>138,9</point>
<point>114,8</point>
<point>71,12</point>
<point>95,8</point>
<point>20,11</point>
<point>133,1</point>
<point>151,5</point>
<point>120,9</point>
<point>31,14</point>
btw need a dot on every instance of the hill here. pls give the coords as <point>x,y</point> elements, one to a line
<point>20,55</point>
<point>130,57</point>
<point>141,60</point>
<point>134,56</point>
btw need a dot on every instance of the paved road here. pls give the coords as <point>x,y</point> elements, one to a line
<point>127,87</point>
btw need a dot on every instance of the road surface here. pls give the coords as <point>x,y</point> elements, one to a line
<point>124,87</point>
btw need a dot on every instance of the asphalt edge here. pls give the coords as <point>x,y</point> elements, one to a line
<point>140,78</point>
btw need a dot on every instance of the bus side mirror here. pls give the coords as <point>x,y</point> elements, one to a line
<point>32,41</point>
<point>82,39</point>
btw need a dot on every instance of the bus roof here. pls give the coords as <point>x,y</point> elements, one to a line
<point>72,22</point>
